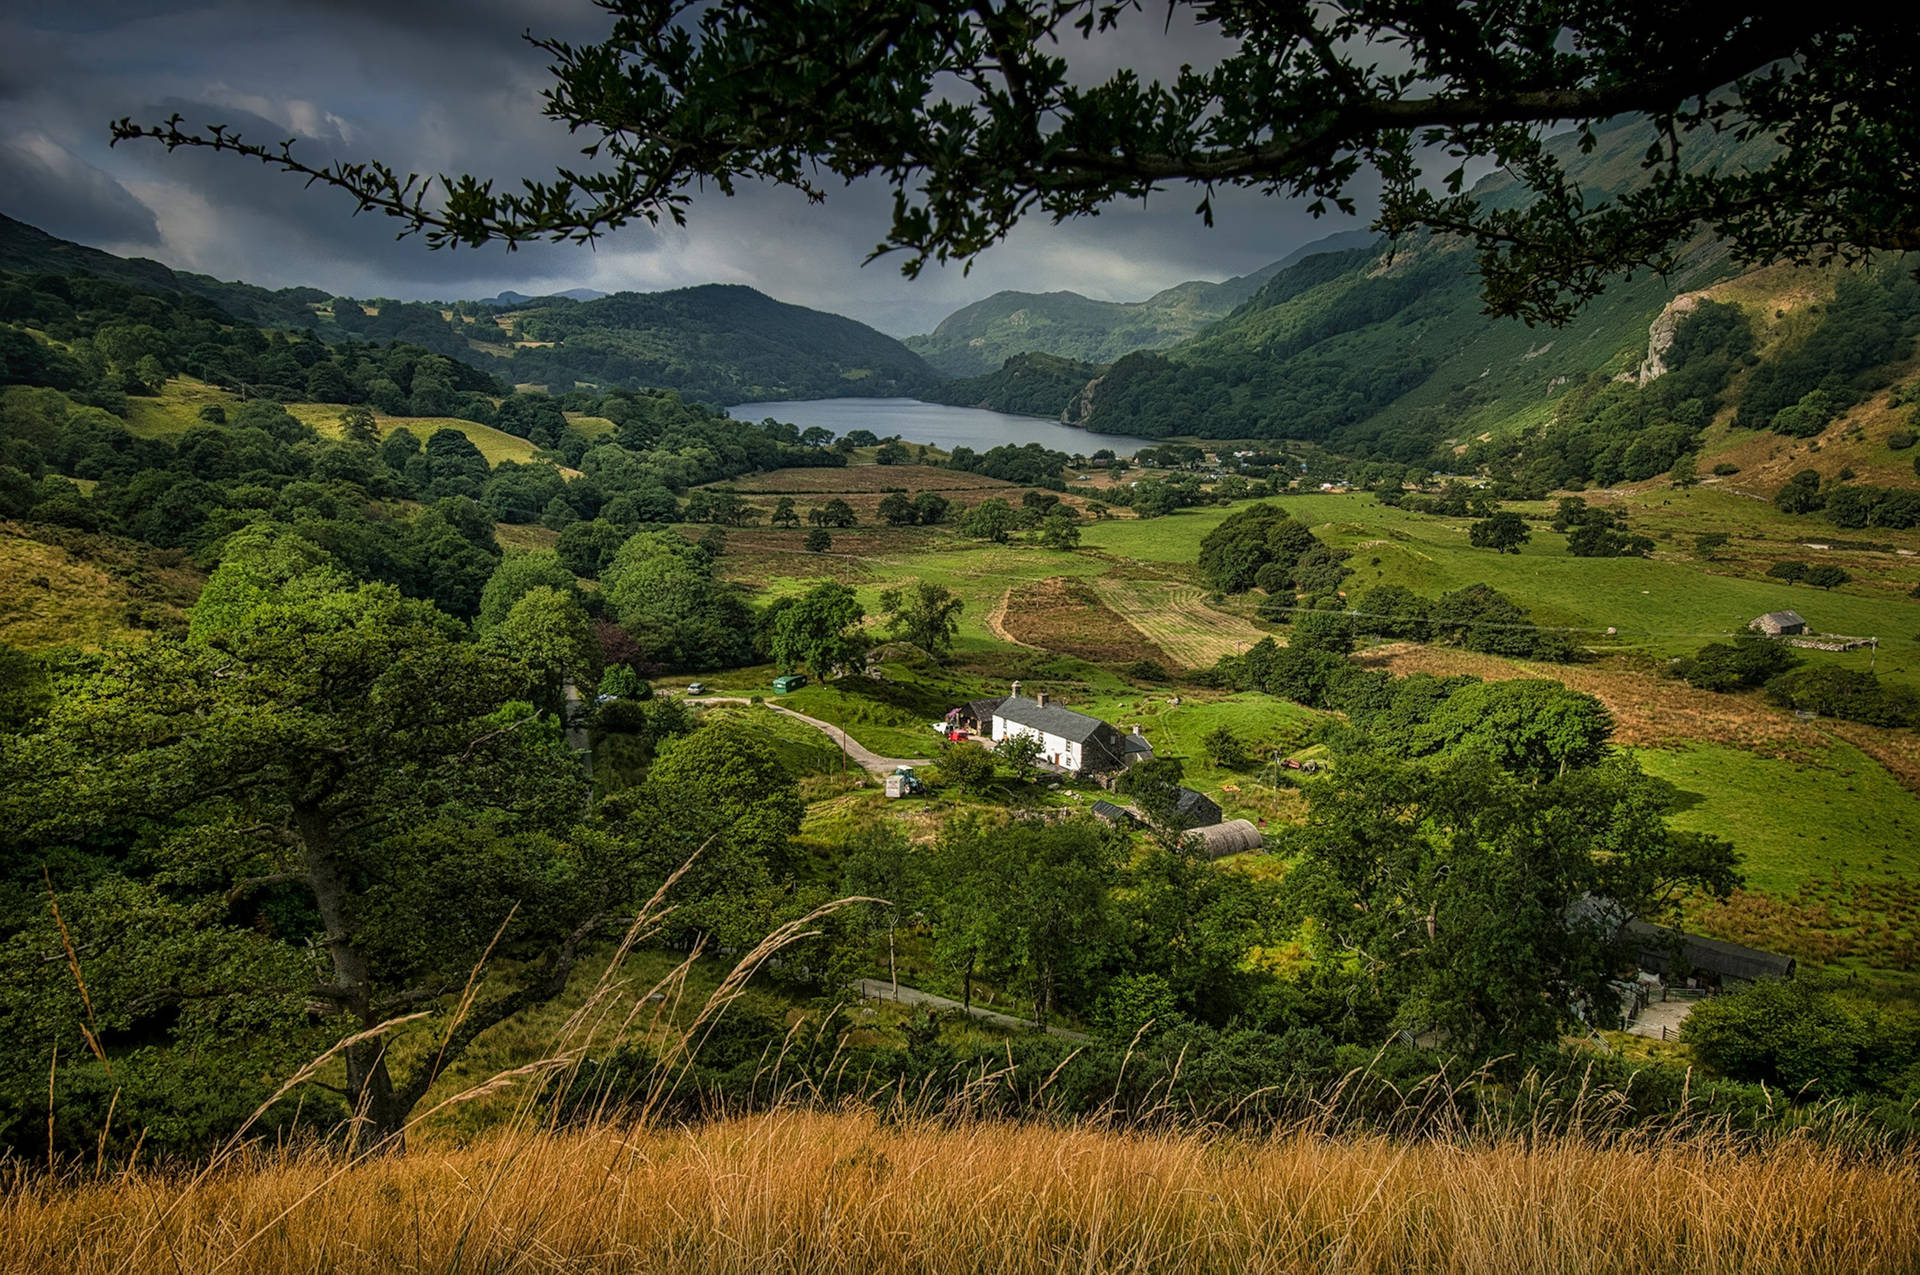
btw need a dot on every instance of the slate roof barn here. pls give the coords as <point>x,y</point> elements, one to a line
<point>1113,814</point>
<point>1657,945</point>
<point>1779,623</point>
<point>1197,810</point>
<point>1236,836</point>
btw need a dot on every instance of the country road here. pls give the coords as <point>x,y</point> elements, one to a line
<point>879,989</point>
<point>866,757</point>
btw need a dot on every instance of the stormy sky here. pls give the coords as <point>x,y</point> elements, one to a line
<point>446,86</point>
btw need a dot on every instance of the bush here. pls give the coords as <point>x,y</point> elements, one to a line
<point>1726,469</point>
<point>1843,693</point>
<point>1750,660</point>
<point>1901,439</point>
<point>1805,1039</point>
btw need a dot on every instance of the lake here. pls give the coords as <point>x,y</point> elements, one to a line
<point>937,424</point>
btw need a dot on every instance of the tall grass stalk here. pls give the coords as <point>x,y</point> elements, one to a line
<point>803,1190</point>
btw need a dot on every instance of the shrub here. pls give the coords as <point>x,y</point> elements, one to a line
<point>1901,439</point>
<point>1726,469</point>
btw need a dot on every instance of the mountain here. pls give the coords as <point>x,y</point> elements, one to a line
<point>1386,348</point>
<point>511,298</point>
<point>978,338</point>
<point>29,250</point>
<point>723,343</point>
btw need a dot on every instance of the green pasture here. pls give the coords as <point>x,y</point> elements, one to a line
<point>1840,816</point>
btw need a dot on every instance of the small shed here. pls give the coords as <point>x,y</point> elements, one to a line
<point>1119,816</point>
<point>1779,623</point>
<point>1136,747</point>
<point>1236,836</point>
<point>1196,810</point>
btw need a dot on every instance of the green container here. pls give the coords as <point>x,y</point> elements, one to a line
<point>791,682</point>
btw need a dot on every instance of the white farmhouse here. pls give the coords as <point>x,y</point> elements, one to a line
<point>1074,742</point>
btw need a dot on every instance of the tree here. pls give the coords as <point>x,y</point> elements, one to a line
<point>549,633</point>
<point>783,514</point>
<point>664,593</point>
<point>835,513</point>
<point>1330,631</point>
<point>1791,572</point>
<point>334,771</point>
<point>1504,532</point>
<point>820,630</point>
<point>978,116</point>
<point>357,427</point>
<point>1057,531</point>
<point>931,508</point>
<point>992,519</point>
<point>1685,472</point>
<point>882,864</point>
<point>818,541</point>
<point>1019,753</point>
<point>1225,750</point>
<point>1527,726</point>
<point>965,765</point>
<point>925,614</point>
<point>1456,894</point>
<point>897,511</point>
<point>519,573</point>
<point>1155,787</point>
<point>1827,576</point>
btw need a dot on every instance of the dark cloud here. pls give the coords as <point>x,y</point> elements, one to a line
<point>450,86</point>
<point>41,182</point>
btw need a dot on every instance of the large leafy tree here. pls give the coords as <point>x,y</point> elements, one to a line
<point>326,803</point>
<point>980,114</point>
<point>925,614</point>
<point>1467,899</point>
<point>820,630</point>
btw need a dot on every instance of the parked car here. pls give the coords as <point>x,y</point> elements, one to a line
<point>696,688</point>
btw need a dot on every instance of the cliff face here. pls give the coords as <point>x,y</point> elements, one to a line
<point>1660,334</point>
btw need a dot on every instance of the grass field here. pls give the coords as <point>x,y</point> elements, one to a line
<point>802,1192</point>
<point>60,587</point>
<point>1668,605</point>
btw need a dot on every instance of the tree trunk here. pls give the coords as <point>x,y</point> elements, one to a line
<point>893,971</point>
<point>967,983</point>
<point>377,1113</point>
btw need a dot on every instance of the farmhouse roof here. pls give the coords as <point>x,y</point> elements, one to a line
<point>1782,620</point>
<point>1236,836</point>
<point>982,709</point>
<point>1656,945</point>
<point>1137,743</point>
<point>1050,719</point>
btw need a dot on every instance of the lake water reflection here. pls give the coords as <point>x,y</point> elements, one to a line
<point>937,424</point>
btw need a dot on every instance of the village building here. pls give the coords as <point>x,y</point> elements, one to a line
<point>1137,747</point>
<point>1119,816</point>
<point>1071,742</point>
<point>1779,624</point>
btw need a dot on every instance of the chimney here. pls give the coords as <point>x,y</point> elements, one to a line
<point>1016,690</point>
<point>1040,698</point>
<point>1136,728</point>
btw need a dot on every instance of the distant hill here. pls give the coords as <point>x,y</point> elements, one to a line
<point>978,338</point>
<point>30,250</point>
<point>511,298</point>
<point>723,343</point>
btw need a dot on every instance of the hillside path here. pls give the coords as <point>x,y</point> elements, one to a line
<point>880,989</point>
<point>866,757</point>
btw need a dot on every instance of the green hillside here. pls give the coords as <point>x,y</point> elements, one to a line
<point>978,338</point>
<point>722,343</point>
<point>28,250</point>
<point>1026,384</point>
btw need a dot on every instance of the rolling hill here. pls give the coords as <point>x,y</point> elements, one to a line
<point>979,338</point>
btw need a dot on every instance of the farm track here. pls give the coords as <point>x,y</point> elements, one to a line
<point>996,622</point>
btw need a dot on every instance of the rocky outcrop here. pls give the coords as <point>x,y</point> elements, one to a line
<point>1660,335</point>
<point>1080,410</point>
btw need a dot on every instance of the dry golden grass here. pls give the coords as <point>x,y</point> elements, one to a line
<point>795,1191</point>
